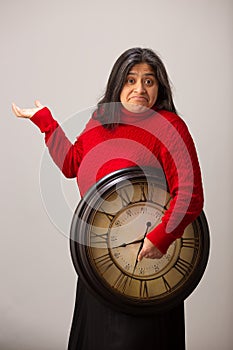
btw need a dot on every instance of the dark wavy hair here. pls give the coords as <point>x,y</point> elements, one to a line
<point>109,113</point>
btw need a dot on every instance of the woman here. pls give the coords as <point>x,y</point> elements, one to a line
<point>137,113</point>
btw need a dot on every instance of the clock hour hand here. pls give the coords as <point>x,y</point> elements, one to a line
<point>148,224</point>
<point>133,242</point>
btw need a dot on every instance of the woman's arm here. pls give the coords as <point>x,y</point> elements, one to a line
<point>179,161</point>
<point>66,155</point>
<point>181,167</point>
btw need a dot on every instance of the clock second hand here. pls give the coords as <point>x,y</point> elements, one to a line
<point>148,224</point>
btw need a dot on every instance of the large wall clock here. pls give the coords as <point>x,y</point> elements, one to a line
<point>107,231</point>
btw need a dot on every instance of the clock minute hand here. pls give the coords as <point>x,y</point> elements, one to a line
<point>148,224</point>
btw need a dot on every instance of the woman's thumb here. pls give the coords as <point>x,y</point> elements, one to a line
<point>38,104</point>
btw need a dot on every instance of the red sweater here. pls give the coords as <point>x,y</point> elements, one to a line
<point>157,140</point>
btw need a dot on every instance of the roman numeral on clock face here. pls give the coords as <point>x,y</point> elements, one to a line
<point>121,282</point>
<point>99,239</point>
<point>151,192</point>
<point>183,266</point>
<point>124,196</point>
<point>143,290</point>
<point>108,215</point>
<point>103,262</point>
<point>191,242</point>
<point>166,284</point>
<point>143,188</point>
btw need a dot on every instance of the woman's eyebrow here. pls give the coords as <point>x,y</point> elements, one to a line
<point>146,74</point>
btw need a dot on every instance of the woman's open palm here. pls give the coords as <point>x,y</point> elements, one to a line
<point>26,112</point>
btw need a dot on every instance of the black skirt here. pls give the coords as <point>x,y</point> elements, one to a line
<point>96,326</point>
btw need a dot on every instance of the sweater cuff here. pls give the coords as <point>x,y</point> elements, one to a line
<point>160,238</point>
<point>43,119</point>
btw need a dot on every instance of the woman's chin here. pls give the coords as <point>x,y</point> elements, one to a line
<point>135,108</point>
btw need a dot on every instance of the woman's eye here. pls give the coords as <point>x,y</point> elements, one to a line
<point>130,81</point>
<point>149,82</point>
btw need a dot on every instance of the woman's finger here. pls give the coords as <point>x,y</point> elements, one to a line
<point>16,110</point>
<point>38,104</point>
<point>142,255</point>
<point>149,250</point>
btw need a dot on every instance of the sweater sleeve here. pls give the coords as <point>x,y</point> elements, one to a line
<point>67,156</point>
<point>181,167</point>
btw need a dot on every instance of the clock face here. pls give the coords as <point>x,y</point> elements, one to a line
<point>107,234</point>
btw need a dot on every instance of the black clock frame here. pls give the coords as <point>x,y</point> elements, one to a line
<point>80,256</point>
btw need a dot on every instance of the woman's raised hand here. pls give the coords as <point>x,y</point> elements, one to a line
<point>26,112</point>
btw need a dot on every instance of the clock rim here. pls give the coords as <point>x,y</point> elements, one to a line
<point>108,296</point>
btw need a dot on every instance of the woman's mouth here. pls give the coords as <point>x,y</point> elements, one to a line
<point>139,98</point>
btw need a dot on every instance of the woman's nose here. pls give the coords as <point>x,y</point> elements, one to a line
<point>139,87</point>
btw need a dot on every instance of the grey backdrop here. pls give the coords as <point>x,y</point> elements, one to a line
<point>61,52</point>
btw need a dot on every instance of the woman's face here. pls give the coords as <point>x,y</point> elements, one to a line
<point>140,90</point>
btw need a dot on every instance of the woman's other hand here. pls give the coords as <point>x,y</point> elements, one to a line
<point>149,250</point>
<point>26,112</point>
